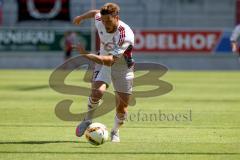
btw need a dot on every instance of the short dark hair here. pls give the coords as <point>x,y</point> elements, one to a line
<point>110,9</point>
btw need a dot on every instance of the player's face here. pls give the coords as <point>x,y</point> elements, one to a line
<point>110,22</point>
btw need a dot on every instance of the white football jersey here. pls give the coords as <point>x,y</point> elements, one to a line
<point>236,34</point>
<point>116,43</point>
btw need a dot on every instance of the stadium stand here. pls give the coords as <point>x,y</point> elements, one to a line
<point>151,13</point>
<point>139,14</point>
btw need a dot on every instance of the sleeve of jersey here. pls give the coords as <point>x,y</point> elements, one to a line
<point>97,19</point>
<point>236,34</point>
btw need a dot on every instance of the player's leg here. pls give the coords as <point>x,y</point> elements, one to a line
<point>123,83</point>
<point>122,100</point>
<point>101,80</point>
<point>98,89</point>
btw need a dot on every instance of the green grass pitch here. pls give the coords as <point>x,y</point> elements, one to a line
<point>29,128</point>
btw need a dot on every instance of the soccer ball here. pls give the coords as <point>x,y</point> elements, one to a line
<point>96,134</point>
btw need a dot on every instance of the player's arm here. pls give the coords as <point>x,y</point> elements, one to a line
<point>107,60</point>
<point>90,14</point>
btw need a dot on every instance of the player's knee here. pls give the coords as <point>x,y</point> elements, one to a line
<point>122,100</point>
<point>97,94</point>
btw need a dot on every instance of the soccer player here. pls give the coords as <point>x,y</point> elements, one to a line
<point>234,39</point>
<point>113,63</point>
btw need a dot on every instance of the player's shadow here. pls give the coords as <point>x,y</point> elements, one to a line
<point>30,88</point>
<point>39,142</point>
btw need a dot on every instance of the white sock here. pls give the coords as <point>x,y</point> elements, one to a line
<point>118,122</point>
<point>91,105</point>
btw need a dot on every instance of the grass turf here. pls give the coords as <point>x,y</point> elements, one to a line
<point>29,128</point>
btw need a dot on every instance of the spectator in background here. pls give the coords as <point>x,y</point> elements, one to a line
<point>234,39</point>
<point>69,39</point>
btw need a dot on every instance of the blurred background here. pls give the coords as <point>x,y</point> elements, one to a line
<point>181,34</point>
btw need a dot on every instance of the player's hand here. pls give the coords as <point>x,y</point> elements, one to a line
<point>80,49</point>
<point>77,20</point>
